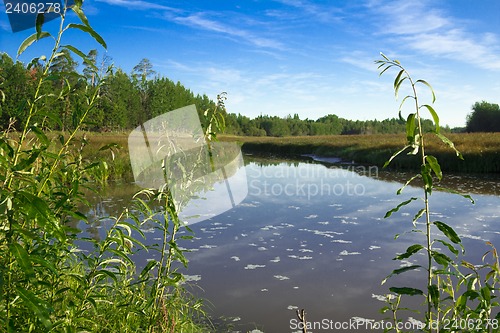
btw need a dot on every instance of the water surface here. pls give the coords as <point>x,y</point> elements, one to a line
<point>313,236</point>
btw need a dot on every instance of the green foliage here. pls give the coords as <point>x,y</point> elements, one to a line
<point>126,100</point>
<point>327,125</point>
<point>484,118</point>
<point>445,300</point>
<point>52,279</point>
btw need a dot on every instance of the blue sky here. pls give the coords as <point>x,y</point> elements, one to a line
<point>281,57</point>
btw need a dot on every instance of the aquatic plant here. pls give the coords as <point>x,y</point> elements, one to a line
<point>455,300</point>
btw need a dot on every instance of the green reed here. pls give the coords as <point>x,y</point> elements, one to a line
<point>457,298</point>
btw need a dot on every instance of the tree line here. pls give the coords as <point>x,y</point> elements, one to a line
<point>127,100</point>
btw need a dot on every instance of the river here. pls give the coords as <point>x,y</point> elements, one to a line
<point>312,235</point>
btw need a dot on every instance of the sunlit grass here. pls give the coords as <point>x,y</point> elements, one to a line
<point>481,151</point>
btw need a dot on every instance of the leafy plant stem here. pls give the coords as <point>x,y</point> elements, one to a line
<point>426,207</point>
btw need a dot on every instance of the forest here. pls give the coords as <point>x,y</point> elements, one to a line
<point>127,100</point>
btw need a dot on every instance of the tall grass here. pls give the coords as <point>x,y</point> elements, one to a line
<point>481,151</point>
<point>52,279</point>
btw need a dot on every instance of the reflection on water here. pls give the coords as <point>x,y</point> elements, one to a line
<point>313,236</point>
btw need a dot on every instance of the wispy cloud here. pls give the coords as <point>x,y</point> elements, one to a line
<point>457,45</point>
<point>409,17</point>
<point>419,26</point>
<point>138,5</point>
<point>324,14</point>
<point>197,20</point>
<point>4,26</point>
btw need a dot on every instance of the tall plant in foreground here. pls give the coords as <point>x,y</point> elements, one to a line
<point>52,278</point>
<point>454,300</point>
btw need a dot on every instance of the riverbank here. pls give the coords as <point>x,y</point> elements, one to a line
<point>481,151</point>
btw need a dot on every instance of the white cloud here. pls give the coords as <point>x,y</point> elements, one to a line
<point>456,45</point>
<point>430,31</point>
<point>5,26</point>
<point>410,17</point>
<point>138,4</point>
<point>197,20</point>
<point>325,14</point>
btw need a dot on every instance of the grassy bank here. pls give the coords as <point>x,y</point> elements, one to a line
<point>481,151</point>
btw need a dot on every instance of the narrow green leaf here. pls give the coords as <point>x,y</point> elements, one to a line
<point>400,190</point>
<point>401,105</point>
<point>36,305</point>
<point>90,31</point>
<point>426,177</point>
<point>79,12</point>
<point>81,55</point>
<point>418,215</point>
<point>411,250</point>
<point>441,258</point>
<point>40,135</point>
<point>22,258</point>
<point>398,77</point>
<point>394,155</point>
<point>434,116</point>
<point>40,18</point>
<point>445,189</point>
<point>382,72</point>
<point>102,273</point>
<point>410,128</point>
<point>404,203</point>
<point>36,260</point>
<point>396,89</point>
<point>406,291</point>
<point>433,163</point>
<point>434,294</point>
<point>430,87</point>
<point>450,144</point>
<point>449,246</point>
<point>448,232</point>
<point>401,270</point>
<point>486,293</point>
<point>145,271</point>
<point>30,40</point>
<point>384,56</point>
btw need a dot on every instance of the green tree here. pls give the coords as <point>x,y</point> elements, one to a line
<point>484,118</point>
<point>121,103</point>
<point>89,70</point>
<point>18,86</point>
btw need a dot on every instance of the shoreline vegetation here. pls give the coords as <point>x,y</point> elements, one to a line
<point>481,151</point>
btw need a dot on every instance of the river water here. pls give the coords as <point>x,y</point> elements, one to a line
<point>313,236</point>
